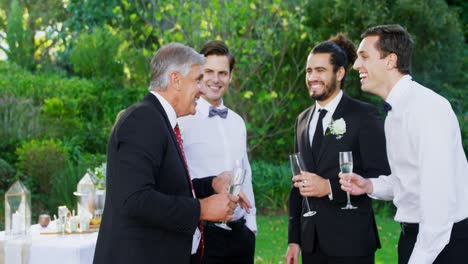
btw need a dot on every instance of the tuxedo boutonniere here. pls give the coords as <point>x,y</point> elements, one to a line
<point>337,128</point>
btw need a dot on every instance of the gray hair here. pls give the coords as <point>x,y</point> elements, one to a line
<point>172,57</point>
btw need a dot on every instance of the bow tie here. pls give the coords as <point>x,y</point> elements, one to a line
<point>218,112</point>
<point>386,106</point>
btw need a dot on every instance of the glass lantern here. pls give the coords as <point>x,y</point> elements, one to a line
<point>85,193</point>
<point>17,210</point>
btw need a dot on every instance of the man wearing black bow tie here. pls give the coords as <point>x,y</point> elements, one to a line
<point>214,138</point>
<point>429,180</point>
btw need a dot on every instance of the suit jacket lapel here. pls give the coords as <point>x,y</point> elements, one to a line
<point>304,143</point>
<point>339,111</point>
<point>153,100</point>
<point>307,125</point>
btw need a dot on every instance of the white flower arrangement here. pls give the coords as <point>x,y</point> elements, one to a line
<point>337,128</point>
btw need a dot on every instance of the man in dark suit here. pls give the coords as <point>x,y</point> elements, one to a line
<point>151,214</point>
<point>335,123</point>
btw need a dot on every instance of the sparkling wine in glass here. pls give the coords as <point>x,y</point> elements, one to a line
<point>297,165</point>
<point>346,166</point>
<point>235,185</point>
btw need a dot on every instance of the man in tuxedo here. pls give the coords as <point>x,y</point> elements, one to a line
<point>151,213</point>
<point>334,235</point>
<point>429,180</point>
<point>214,138</point>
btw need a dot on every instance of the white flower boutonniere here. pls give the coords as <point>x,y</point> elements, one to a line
<point>337,128</point>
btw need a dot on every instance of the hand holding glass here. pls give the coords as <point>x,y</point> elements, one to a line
<point>297,165</point>
<point>346,166</point>
<point>235,185</point>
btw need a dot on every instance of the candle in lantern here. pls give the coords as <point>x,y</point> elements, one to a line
<point>16,222</point>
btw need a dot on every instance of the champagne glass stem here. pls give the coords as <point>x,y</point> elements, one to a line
<point>349,200</point>
<point>309,212</point>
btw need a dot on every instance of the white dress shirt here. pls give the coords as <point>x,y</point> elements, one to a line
<point>170,112</point>
<point>171,115</point>
<point>212,145</point>
<point>429,180</point>
<point>327,119</point>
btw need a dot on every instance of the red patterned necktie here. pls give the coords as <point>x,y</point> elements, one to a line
<point>200,225</point>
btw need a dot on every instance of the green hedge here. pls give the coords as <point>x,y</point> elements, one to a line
<point>271,183</point>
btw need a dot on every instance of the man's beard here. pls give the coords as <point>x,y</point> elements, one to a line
<point>328,91</point>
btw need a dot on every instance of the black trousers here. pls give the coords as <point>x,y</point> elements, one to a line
<point>224,247</point>
<point>454,252</point>
<point>319,257</point>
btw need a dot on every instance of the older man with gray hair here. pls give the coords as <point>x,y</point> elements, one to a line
<point>152,211</point>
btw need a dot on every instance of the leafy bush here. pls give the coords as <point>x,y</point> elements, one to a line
<point>60,117</point>
<point>40,159</point>
<point>271,183</point>
<point>96,55</point>
<point>137,67</point>
<point>7,178</point>
<point>73,110</point>
<point>19,38</point>
<point>19,120</point>
<point>17,82</point>
<point>66,181</point>
<point>7,175</point>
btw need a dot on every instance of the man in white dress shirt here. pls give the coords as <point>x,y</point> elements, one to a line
<point>214,138</point>
<point>429,179</point>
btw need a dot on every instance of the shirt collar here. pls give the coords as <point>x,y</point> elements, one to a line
<point>331,106</point>
<point>204,107</point>
<point>398,90</point>
<point>170,112</point>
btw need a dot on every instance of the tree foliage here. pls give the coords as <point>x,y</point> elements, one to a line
<point>20,49</point>
<point>96,55</point>
<point>434,27</point>
<point>43,23</point>
<point>112,41</point>
<point>267,38</point>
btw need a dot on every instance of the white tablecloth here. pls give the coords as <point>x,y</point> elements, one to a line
<point>48,249</point>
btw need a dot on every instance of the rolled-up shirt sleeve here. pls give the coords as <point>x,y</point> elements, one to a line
<point>383,187</point>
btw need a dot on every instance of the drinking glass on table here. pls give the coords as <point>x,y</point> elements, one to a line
<point>62,213</point>
<point>297,165</point>
<point>346,166</point>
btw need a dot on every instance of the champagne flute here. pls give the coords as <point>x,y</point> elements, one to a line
<point>236,180</point>
<point>297,165</point>
<point>346,166</point>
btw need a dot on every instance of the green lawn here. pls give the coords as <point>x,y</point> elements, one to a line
<point>272,240</point>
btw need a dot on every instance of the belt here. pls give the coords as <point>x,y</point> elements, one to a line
<point>235,225</point>
<point>413,228</point>
<point>409,228</point>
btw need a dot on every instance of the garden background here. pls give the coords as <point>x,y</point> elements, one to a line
<point>69,66</point>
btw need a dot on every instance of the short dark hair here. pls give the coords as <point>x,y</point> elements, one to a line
<point>219,48</point>
<point>393,39</point>
<point>342,52</point>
